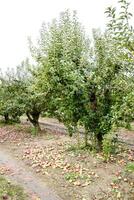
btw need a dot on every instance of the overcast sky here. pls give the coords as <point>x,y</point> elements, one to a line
<point>22,18</point>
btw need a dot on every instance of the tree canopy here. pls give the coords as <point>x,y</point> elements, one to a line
<point>81,82</point>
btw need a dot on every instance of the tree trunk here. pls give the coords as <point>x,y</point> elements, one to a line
<point>99,138</point>
<point>6,116</point>
<point>37,126</point>
<point>34,119</point>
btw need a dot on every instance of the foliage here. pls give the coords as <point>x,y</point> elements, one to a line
<point>33,101</point>
<point>10,97</point>
<point>109,145</point>
<point>110,97</point>
<point>19,95</point>
<point>80,83</point>
<point>121,35</point>
<point>62,54</point>
<point>88,85</point>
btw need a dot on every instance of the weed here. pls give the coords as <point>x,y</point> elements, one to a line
<point>10,191</point>
<point>109,145</point>
<point>34,131</point>
<point>130,167</point>
<point>71,176</point>
<point>116,181</point>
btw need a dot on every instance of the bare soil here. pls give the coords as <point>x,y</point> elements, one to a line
<point>49,166</point>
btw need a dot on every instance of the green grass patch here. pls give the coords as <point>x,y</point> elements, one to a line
<point>76,176</point>
<point>71,176</point>
<point>130,167</point>
<point>11,191</point>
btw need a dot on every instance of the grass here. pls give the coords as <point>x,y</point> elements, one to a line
<point>71,176</point>
<point>130,167</point>
<point>10,191</point>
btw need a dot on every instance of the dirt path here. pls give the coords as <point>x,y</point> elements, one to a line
<point>124,136</point>
<point>25,178</point>
<point>44,164</point>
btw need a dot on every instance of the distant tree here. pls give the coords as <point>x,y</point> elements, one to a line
<point>33,101</point>
<point>18,95</point>
<point>10,97</point>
